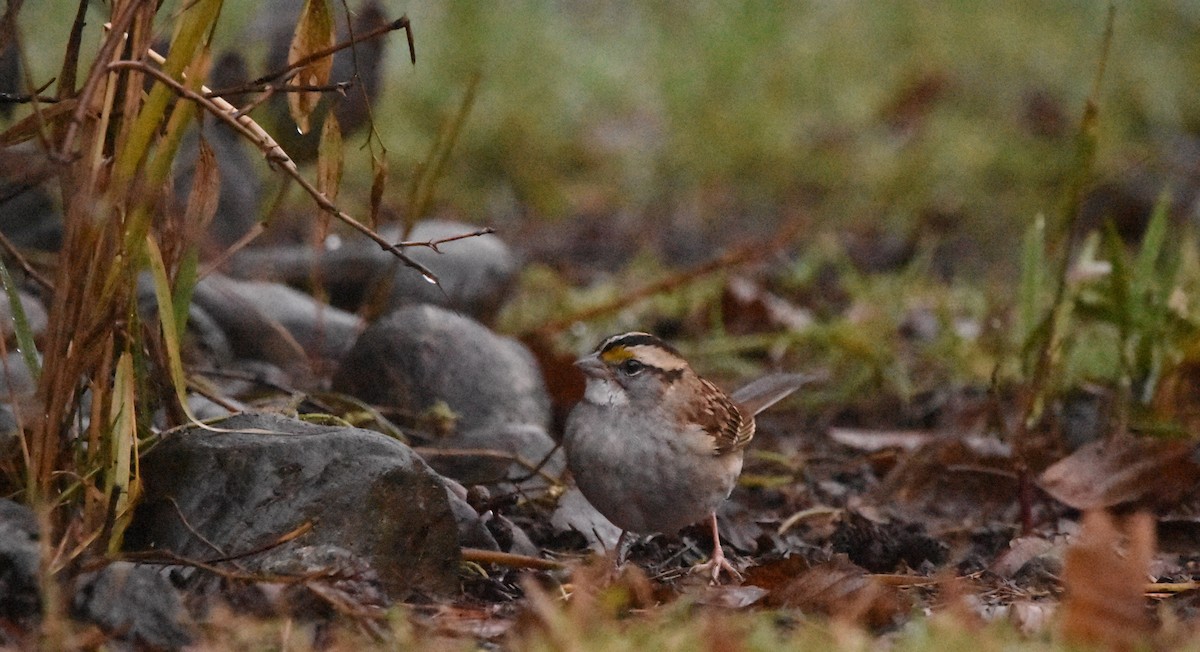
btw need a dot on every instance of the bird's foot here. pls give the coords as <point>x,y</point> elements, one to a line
<point>715,565</point>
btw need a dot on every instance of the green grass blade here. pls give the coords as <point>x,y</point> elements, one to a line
<point>122,442</point>
<point>166,316</point>
<point>1152,244</point>
<point>1033,279</point>
<point>24,333</point>
<point>1124,304</point>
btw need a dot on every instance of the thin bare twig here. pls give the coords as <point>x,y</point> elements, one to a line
<point>731,258</point>
<point>32,273</point>
<point>509,559</point>
<point>10,98</point>
<point>302,529</point>
<point>290,69</point>
<point>427,452</point>
<point>337,87</point>
<point>35,96</point>
<point>66,88</point>
<point>434,244</point>
<point>275,154</point>
<point>196,533</point>
<point>115,37</point>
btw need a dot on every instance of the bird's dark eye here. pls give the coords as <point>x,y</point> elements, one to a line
<point>632,367</point>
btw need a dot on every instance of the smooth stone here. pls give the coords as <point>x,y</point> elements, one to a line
<point>421,357</point>
<point>20,596</point>
<point>575,513</point>
<point>213,494</point>
<point>35,315</point>
<point>273,322</point>
<point>136,604</point>
<point>474,274</point>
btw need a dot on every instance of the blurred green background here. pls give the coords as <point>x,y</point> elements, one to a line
<point>723,117</point>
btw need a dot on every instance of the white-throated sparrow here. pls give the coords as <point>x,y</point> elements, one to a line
<point>655,447</point>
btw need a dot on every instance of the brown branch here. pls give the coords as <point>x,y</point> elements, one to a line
<point>66,88</point>
<point>299,531</point>
<point>115,37</point>
<point>35,96</point>
<point>275,154</point>
<point>290,69</point>
<point>434,244</point>
<point>10,98</point>
<point>196,533</point>
<point>731,258</point>
<point>534,469</point>
<point>509,559</point>
<point>32,273</point>
<point>338,87</point>
<point>168,558</point>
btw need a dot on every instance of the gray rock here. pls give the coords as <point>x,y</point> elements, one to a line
<point>10,433</point>
<point>202,408</point>
<point>336,574</point>
<point>15,376</point>
<point>272,322</point>
<point>475,274</point>
<point>136,604</point>
<point>521,447</point>
<point>213,494</point>
<point>35,315</point>
<point>575,513</point>
<point>205,342</point>
<point>422,356</point>
<point>19,562</point>
<point>29,215</point>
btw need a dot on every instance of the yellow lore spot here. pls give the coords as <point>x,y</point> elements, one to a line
<point>616,355</point>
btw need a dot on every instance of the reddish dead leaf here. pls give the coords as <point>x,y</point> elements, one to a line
<point>330,159</point>
<point>775,575</point>
<point>330,162</point>
<point>915,100</point>
<point>379,177</point>
<point>206,190</point>
<point>461,622</point>
<point>563,378</point>
<point>962,481</point>
<point>1123,470</point>
<point>838,588</point>
<point>748,308</point>
<point>730,596</point>
<point>314,32</point>
<point>1177,397</point>
<point>1104,576</point>
<point>1020,552</point>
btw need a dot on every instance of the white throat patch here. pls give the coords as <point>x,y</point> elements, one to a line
<point>604,392</point>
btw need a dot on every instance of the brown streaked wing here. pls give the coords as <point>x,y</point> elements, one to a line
<point>719,417</point>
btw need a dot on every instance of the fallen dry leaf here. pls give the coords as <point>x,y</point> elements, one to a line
<point>749,308</point>
<point>1177,396</point>
<point>1152,473</point>
<point>1104,579</point>
<point>1020,551</point>
<point>838,588</point>
<point>953,482</point>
